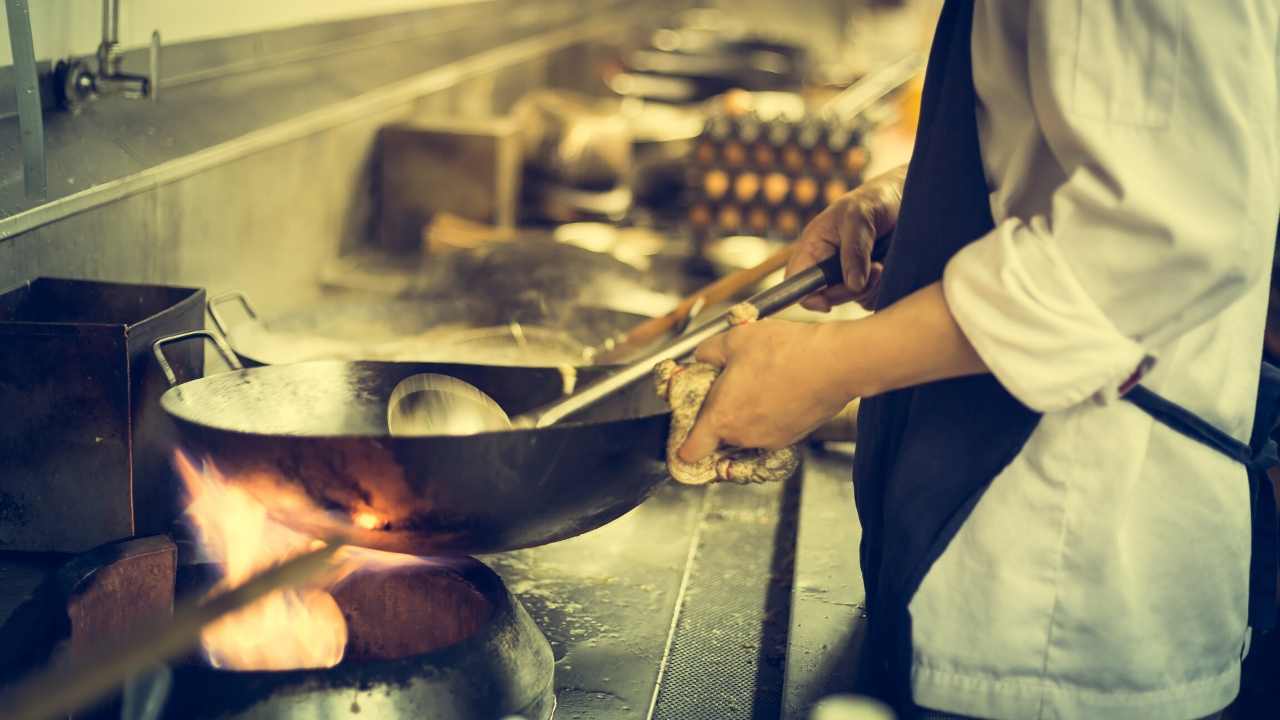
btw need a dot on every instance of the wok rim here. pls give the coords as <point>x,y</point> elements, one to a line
<point>174,407</point>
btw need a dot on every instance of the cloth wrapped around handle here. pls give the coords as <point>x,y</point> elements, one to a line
<point>685,387</point>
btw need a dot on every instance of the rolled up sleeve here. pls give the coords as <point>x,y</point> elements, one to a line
<point>1154,227</point>
<point>1036,328</point>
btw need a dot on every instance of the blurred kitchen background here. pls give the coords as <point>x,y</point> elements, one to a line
<point>262,164</point>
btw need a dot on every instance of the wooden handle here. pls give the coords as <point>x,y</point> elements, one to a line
<point>448,232</point>
<point>716,292</point>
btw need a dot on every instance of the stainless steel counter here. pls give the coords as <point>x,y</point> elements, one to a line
<point>828,618</point>
<point>686,608</point>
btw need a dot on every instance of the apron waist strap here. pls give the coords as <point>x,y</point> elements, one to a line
<point>1265,559</point>
<point>1182,420</point>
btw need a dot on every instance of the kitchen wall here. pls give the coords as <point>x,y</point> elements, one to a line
<point>266,221</point>
<point>64,28</point>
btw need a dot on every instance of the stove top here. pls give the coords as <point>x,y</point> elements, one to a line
<point>443,639</point>
<point>723,602</point>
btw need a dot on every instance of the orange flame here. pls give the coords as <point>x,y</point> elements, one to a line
<point>292,628</point>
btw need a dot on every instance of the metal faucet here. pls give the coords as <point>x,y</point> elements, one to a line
<point>27,90</point>
<point>78,83</point>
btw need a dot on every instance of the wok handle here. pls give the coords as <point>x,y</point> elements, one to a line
<point>719,291</point>
<point>213,303</point>
<point>678,319</point>
<point>789,291</point>
<point>828,273</point>
<point>223,349</point>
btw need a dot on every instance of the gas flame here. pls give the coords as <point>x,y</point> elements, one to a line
<point>300,627</point>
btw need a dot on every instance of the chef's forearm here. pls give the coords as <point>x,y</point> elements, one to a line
<point>912,342</point>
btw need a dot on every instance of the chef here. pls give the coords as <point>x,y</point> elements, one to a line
<point>1053,470</point>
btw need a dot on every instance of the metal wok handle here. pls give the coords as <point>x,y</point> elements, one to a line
<point>213,303</point>
<point>766,303</point>
<point>825,274</point>
<point>223,349</point>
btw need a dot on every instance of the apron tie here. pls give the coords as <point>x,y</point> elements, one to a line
<point>1258,457</point>
<point>1265,458</point>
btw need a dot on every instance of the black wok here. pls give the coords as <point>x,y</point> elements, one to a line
<point>310,440</point>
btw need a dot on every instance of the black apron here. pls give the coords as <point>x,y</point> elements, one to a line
<point>925,455</point>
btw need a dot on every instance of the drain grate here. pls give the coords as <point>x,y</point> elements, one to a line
<point>727,652</point>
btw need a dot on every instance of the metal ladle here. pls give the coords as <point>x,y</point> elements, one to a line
<point>432,404</point>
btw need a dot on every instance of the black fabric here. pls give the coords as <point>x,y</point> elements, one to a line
<point>926,454</point>
<point>1182,420</point>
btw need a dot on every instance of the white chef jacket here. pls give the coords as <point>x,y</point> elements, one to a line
<point>1133,158</point>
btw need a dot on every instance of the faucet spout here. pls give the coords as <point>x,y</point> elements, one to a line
<point>79,83</point>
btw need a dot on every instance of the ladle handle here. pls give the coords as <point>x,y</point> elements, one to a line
<point>223,349</point>
<point>768,302</point>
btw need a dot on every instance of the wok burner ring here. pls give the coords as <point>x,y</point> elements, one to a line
<point>440,640</point>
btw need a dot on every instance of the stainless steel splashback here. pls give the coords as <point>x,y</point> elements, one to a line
<point>252,180</point>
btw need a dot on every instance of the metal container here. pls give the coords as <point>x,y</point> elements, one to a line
<point>84,448</point>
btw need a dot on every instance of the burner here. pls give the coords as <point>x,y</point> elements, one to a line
<point>443,639</point>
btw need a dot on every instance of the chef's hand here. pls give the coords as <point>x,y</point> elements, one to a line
<point>850,227</point>
<point>779,383</point>
<point>781,380</point>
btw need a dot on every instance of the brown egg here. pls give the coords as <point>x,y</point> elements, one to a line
<point>758,220</point>
<point>822,161</point>
<point>776,187</point>
<point>700,215</point>
<point>706,153</point>
<point>806,191</point>
<point>834,188</point>
<point>735,155</point>
<point>763,155</point>
<point>793,158</point>
<point>745,187</point>
<point>730,218</point>
<point>855,159</point>
<point>788,222</point>
<point>715,184</point>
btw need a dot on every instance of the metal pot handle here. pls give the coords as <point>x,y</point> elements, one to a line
<point>223,349</point>
<point>213,303</point>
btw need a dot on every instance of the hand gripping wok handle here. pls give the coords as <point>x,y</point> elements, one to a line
<point>224,350</point>
<point>821,276</point>
<point>768,302</point>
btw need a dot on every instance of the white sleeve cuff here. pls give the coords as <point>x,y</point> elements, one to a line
<point>1046,341</point>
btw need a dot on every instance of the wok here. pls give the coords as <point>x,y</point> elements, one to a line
<point>310,441</point>
<point>428,329</point>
